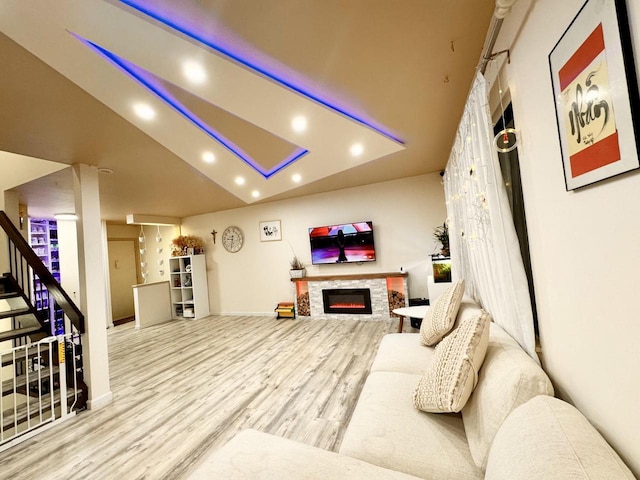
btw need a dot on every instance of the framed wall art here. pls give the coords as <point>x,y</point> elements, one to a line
<point>270,231</point>
<point>596,94</point>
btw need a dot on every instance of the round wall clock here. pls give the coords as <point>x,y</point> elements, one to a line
<point>232,239</point>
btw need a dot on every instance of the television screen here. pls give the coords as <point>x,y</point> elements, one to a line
<point>346,243</point>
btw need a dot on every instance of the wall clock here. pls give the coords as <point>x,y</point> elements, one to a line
<point>232,239</point>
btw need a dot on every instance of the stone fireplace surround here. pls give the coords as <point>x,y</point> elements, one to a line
<point>388,291</point>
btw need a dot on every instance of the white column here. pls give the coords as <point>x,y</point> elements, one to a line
<point>93,302</point>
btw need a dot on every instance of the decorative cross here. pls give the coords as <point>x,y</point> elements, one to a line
<point>213,234</point>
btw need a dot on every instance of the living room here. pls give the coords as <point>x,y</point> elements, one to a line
<point>582,241</point>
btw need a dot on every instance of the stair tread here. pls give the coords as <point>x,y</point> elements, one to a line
<point>21,380</point>
<point>18,332</point>
<point>15,313</point>
<point>5,295</point>
<point>20,355</point>
<point>21,410</point>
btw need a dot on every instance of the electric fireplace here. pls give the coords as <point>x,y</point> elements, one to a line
<point>347,300</point>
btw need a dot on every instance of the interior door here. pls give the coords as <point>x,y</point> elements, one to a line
<point>122,275</point>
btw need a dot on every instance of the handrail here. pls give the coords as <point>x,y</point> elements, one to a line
<point>46,277</point>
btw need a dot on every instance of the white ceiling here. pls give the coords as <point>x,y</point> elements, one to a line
<point>390,76</point>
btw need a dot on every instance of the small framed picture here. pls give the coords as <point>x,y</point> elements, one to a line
<point>270,231</point>
<point>596,94</point>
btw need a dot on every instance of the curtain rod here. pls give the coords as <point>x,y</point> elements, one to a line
<point>503,8</point>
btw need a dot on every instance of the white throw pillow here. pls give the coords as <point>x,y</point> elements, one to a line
<point>441,316</point>
<point>453,373</point>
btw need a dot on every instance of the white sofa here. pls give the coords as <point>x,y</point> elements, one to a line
<point>511,428</point>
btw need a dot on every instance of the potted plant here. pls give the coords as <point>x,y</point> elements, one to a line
<point>441,234</point>
<point>186,245</point>
<point>297,268</point>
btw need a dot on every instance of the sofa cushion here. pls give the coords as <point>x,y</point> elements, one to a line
<point>387,430</point>
<point>448,382</point>
<point>548,438</point>
<point>441,316</point>
<point>402,352</point>
<point>508,378</point>
<point>256,455</point>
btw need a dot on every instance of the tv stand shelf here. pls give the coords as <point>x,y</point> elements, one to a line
<point>355,276</point>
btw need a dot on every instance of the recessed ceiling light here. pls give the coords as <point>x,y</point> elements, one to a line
<point>208,157</point>
<point>239,180</point>
<point>194,72</point>
<point>299,124</point>
<point>296,177</point>
<point>255,194</point>
<point>105,171</point>
<point>356,149</point>
<point>65,216</point>
<point>144,111</point>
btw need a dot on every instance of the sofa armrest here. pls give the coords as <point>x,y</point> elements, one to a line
<point>254,455</point>
<point>548,438</point>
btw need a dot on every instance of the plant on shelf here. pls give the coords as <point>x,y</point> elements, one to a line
<point>181,245</point>
<point>297,268</point>
<point>441,234</point>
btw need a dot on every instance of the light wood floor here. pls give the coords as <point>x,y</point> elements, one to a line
<point>184,388</point>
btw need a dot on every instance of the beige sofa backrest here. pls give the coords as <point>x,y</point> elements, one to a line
<point>508,378</point>
<point>548,438</point>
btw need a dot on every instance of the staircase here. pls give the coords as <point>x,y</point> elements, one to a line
<point>18,318</point>
<point>41,374</point>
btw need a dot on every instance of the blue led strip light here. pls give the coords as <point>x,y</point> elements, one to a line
<point>144,79</point>
<point>262,71</point>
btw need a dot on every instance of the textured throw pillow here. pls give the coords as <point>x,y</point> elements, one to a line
<point>453,373</point>
<point>441,316</point>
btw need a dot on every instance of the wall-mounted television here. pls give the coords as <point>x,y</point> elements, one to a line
<point>344,243</point>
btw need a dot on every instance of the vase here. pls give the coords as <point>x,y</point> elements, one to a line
<point>298,273</point>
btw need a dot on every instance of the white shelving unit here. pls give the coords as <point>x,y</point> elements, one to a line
<point>189,291</point>
<point>43,238</point>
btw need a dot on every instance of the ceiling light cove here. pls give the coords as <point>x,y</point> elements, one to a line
<point>144,111</point>
<point>254,121</point>
<point>194,72</point>
<point>150,82</point>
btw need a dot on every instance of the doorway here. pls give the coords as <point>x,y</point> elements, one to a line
<point>123,274</point>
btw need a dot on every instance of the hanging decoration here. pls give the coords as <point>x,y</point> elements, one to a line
<point>143,250</point>
<point>506,139</point>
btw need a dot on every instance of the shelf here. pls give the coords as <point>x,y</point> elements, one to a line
<point>189,301</point>
<point>362,276</point>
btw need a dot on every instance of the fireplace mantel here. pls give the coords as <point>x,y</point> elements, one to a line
<point>388,291</point>
<point>355,276</point>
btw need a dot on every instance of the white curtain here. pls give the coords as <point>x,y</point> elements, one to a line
<point>484,246</point>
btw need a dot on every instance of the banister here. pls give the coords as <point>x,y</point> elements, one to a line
<point>46,277</point>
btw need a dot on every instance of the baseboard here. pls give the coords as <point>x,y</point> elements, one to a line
<point>245,314</point>
<point>97,403</point>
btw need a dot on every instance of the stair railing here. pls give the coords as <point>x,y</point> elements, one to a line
<point>26,267</point>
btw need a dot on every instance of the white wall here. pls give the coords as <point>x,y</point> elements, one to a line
<point>252,281</point>
<point>584,244</point>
